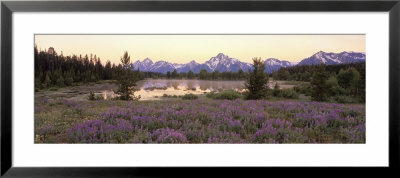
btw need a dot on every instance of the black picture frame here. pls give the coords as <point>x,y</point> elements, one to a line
<point>8,7</point>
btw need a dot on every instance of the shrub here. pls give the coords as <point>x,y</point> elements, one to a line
<point>211,95</point>
<point>170,96</point>
<point>228,94</point>
<point>68,81</point>
<point>189,97</point>
<point>348,79</point>
<point>92,96</point>
<point>276,92</point>
<point>345,99</point>
<point>304,89</point>
<point>289,93</point>
<point>60,81</point>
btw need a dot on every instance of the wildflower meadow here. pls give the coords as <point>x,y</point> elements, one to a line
<point>198,121</point>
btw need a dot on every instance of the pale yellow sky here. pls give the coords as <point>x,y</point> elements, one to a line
<point>184,48</point>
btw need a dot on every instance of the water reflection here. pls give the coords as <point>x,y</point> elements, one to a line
<point>154,89</point>
<point>184,84</point>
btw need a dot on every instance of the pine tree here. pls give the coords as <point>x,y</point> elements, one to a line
<point>60,81</point>
<point>241,74</point>
<point>47,81</point>
<point>174,74</point>
<point>203,75</point>
<point>277,91</point>
<point>257,82</point>
<point>215,75</point>
<point>68,78</point>
<point>108,72</point>
<point>319,86</point>
<point>190,75</point>
<point>349,79</point>
<point>127,80</point>
<point>77,77</point>
<point>168,75</point>
<point>332,85</point>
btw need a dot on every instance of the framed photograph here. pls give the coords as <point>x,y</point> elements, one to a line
<point>103,88</point>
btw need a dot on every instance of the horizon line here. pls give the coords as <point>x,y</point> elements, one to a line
<point>158,60</point>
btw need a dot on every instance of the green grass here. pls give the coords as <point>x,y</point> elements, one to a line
<point>54,119</point>
<point>227,94</point>
<point>189,97</point>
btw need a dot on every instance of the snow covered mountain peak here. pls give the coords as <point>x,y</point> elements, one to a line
<point>272,61</point>
<point>273,64</point>
<point>148,61</point>
<point>224,63</point>
<point>333,58</point>
<point>221,56</point>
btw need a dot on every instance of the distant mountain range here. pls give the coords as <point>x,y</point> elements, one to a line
<point>223,63</point>
<point>333,58</point>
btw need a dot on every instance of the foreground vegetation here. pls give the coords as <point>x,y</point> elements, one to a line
<point>344,83</point>
<point>197,121</point>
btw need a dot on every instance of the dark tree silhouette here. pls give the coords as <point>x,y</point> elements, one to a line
<point>349,79</point>
<point>257,82</point>
<point>190,74</point>
<point>127,80</point>
<point>320,90</point>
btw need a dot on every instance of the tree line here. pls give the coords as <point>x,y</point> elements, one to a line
<point>57,70</point>
<point>343,83</point>
<point>205,75</point>
<point>345,86</point>
<point>52,69</point>
<point>306,72</point>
